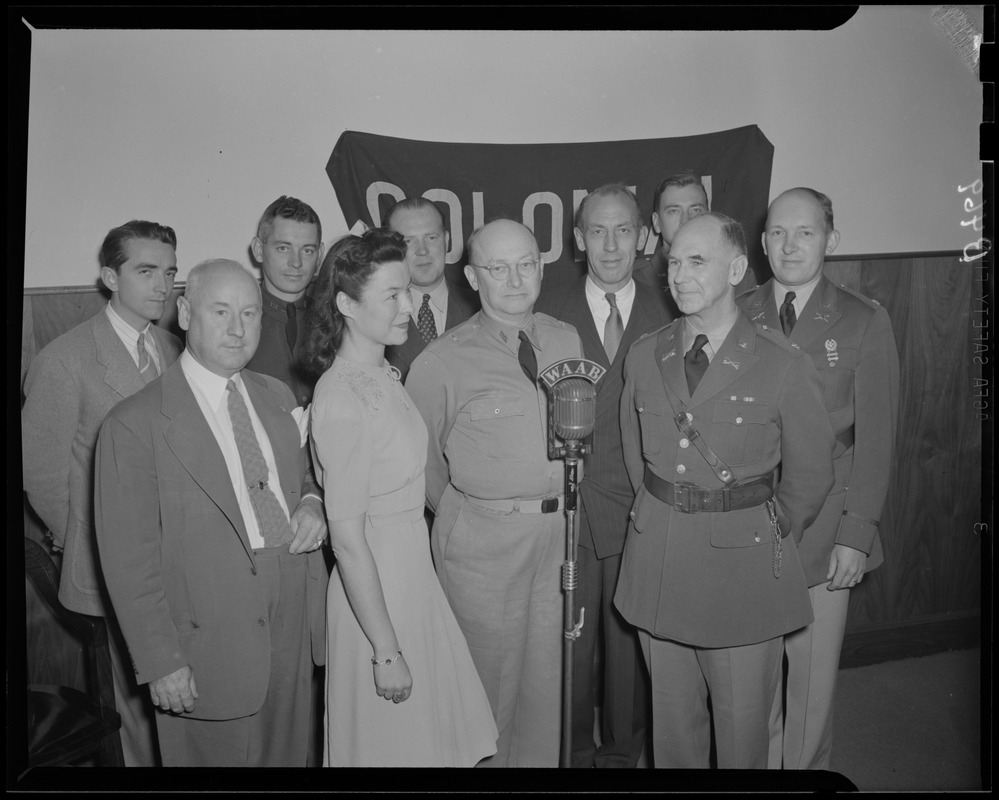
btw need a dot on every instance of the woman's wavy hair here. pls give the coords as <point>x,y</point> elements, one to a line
<point>347,267</point>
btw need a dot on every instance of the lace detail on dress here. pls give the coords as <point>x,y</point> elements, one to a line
<point>364,387</point>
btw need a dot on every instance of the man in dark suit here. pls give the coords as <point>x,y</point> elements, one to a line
<point>711,405</point>
<point>210,542</point>
<point>71,385</point>
<point>440,304</point>
<point>678,198</point>
<point>849,339</point>
<point>288,246</point>
<point>609,314</point>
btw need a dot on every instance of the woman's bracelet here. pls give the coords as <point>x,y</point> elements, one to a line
<point>387,661</point>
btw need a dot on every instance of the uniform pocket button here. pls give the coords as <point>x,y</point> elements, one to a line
<point>680,468</point>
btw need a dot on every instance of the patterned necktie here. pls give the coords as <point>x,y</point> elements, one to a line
<point>147,367</point>
<point>425,321</point>
<point>271,519</point>
<point>291,327</point>
<point>787,315</point>
<point>695,363</point>
<point>528,361</point>
<point>613,328</point>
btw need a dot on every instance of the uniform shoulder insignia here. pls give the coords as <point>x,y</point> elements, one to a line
<point>870,302</point>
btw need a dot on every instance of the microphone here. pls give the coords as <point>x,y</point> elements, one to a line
<point>574,412</point>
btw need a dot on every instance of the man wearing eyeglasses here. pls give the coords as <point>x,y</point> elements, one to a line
<point>498,537</point>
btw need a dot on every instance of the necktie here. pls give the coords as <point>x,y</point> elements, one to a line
<point>291,327</point>
<point>425,321</point>
<point>695,363</point>
<point>528,361</point>
<point>787,315</point>
<point>147,367</point>
<point>613,328</point>
<point>271,519</point>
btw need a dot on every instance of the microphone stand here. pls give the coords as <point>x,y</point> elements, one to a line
<point>572,629</point>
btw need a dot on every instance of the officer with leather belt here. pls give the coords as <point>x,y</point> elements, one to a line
<point>849,339</point>
<point>498,539</point>
<point>712,404</point>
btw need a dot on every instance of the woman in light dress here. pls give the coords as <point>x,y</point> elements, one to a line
<point>401,687</point>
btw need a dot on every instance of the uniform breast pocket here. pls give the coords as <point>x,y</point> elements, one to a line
<point>738,431</point>
<point>500,420</point>
<point>837,368</point>
<point>654,413</point>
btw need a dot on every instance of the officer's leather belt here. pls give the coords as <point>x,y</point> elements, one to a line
<point>542,505</point>
<point>690,498</point>
<point>845,438</point>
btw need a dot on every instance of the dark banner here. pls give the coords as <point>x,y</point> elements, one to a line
<point>543,184</point>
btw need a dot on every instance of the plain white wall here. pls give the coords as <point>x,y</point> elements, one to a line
<point>201,129</point>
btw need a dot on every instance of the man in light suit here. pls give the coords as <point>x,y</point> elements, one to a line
<point>609,230</point>
<point>849,339</point>
<point>209,542</point>
<point>711,406</point>
<point>71,385</point>
<point>440,304</point>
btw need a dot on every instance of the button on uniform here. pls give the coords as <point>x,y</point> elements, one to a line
<point>684,443</point>
<point>680,468</point>
<point>261,622</point>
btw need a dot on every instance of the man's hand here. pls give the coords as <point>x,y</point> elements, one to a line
<point>309,524</point>
<point>176,692</point>
<point>846,567</point>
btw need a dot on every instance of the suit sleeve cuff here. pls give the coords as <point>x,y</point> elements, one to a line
<point>857,532</point>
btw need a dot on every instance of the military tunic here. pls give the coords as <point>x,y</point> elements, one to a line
<point>497,556</point>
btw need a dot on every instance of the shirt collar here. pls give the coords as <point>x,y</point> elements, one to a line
<point>801,293</point>
<point>509,335</point>
<point>212,386</point>
<point>716,337</point>
<point>129,334</point>
<point>276,303</point>
<point>438,295</point>
<point>622,295</point>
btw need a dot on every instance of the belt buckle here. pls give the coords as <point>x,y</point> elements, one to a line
<point>682,497</point>
<point>549,505</point>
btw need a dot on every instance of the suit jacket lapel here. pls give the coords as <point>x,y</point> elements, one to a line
<point>669,357</point>
<point>818,315</point>
<point>762,308</point>
<point>120,374</point>
<point>734,359</point>
<point>191,440</point>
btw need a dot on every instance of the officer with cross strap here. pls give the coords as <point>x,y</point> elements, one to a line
<point>712,405</point>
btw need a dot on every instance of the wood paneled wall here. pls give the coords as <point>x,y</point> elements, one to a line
<point>928,589</point>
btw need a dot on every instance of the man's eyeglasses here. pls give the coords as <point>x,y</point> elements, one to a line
<point>501,272</point>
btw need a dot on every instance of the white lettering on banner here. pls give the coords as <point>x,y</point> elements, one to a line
<point>553,201</point>
<point>376,190</point>
<point>454,206</point>
<point>528,215</point>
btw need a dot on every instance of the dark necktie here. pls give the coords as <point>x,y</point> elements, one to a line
<point>425,321</point>
<point>695,363</point>
<point>787,315</point>
<point>613,328</point>
<point>271,519</point>
<point>291,327</point>
<point>528,361</point>
<point>147,367</point>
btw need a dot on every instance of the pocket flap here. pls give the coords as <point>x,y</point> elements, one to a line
<point>646,403</point>
<point>735,413</point>
<point>496,407</point>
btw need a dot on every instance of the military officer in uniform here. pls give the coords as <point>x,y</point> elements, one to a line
<point>712,404</point>
<point>499,533</point>
<point>849,339</point>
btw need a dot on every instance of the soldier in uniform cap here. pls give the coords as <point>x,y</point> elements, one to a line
<point>712,404</point>
<point>849,339</point>
<point>499,535</point>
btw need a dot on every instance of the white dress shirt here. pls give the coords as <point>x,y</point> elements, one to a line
<point>210,392</point>
<point>596,299</point>
<point>801,294</point>
<point>130,338</point>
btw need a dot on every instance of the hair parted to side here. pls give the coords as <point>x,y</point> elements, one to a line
<point>676,179</point>
<point>113,248</point>
<point>347,267</point>
<point>288,208</point>
<point>732,231</point>
<point>414,204</point>
<point>608,190</point>
<point>823,200</point>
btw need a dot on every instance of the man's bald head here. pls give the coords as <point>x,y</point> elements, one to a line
<point>503,242</point>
